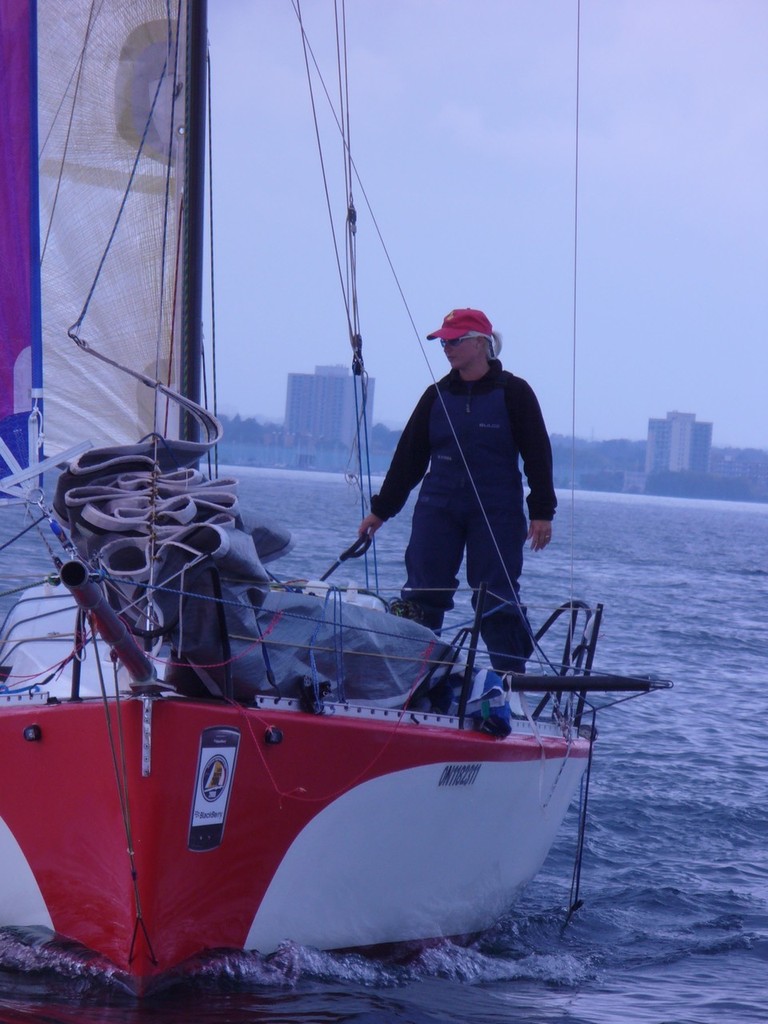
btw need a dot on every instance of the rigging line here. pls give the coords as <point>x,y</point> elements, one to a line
<point>307,49</point>
<point>174,307</point>
<point>179,239</point>
<point>214,380</point>
<point>356,173</point>
<point>573,375</point>
<point>574,900</point>
<point>359,377</point>
<point>387,256</point>
<point>364,454</point>
<point>574,320</point>
<point>358,179</point>
<point>166,207</point>
<point>76,75</point>
<point>575,297</point>
<point>274,617</point>
<point>345,106</point>
<point>351,222</point>
<point>299,793</point>
<point>134,169</point>
<point>139,922</point>
<point>348,284</point>
<point>347,278</point>
<point>21,533</point>
<point>343,84</point>
<point>119,767</point>
<point>205,419</point>
<point>573,372</point>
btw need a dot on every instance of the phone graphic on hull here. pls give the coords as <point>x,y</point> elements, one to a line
<point>213,784</point>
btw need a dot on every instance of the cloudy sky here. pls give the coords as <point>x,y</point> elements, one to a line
<point>649,294</point>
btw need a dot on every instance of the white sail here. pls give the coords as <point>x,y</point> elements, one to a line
<point>112,95</point>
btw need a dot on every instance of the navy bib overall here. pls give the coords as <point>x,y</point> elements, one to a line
<point>448,519</point>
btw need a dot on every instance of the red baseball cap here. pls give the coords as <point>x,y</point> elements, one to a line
<point>462,321</point>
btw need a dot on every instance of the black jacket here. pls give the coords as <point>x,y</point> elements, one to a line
<point>411,459</point>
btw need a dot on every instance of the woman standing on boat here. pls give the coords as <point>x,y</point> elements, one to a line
<point>467,434</point>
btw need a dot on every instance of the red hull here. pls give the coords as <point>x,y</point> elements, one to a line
<point>77,838</point>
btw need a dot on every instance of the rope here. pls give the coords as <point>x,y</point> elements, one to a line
<point>574,901</point>
<point>28,586</point>
<point>73,91</point>
<point>575,297</point>
<point>161,78</point>
<point>119,766</point>
<point>361,417</point>
<point>174,304</point>
<point>21,533</point>
<point>307,53</point>
<point>347,278</point>
<point>351,297</point>
<point>350,171</point>
<point>214,380</point>
<point>299,793</point>
<point>276,616</point>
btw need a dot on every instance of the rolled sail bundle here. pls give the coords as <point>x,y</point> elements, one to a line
<point>184,563</point>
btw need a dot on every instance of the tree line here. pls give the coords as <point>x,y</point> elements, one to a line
<point>615,465</point>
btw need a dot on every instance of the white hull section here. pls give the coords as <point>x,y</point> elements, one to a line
<point>20,897</point>
<point>414,855</point>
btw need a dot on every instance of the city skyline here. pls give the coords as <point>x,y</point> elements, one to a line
<point>656,301</point>
<point>323,403</point>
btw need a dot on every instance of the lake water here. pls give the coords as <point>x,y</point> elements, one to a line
<point>674,926</point>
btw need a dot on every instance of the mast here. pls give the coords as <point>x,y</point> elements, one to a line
<point>194,202</point>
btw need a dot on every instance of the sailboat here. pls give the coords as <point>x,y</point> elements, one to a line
<point>195,756</point>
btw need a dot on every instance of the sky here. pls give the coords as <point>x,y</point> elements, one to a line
<point>622,253</point>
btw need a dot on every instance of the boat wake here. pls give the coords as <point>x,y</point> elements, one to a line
<point>38,952</point>
<point>495,957</point>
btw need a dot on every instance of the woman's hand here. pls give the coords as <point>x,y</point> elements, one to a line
<point>539,533</point>
<point>369,525</point>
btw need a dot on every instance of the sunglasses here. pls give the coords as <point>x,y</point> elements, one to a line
<point>453,342</point>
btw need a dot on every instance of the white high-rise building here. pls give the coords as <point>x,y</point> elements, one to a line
<point>677,444</point>
<point>321,405</point>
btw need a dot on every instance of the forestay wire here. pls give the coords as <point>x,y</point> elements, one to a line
<point>574,305</point>
<point>348,285</point>
<point>347,274</point>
